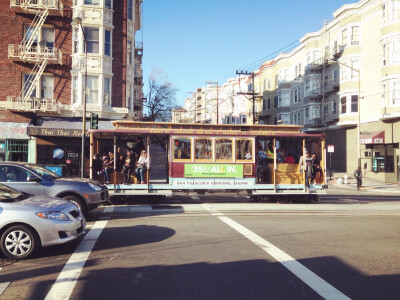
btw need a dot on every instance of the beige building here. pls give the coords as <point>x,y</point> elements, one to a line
<point>343,80</point>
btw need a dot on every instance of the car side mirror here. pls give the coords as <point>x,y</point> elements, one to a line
<point>32,178</point>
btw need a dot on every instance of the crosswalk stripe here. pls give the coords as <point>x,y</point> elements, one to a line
<point>323,288</point>
<point>67,279</point>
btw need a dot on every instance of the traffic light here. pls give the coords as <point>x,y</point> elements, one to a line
<point>94,121</point>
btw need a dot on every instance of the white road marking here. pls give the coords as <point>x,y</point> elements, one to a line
<point>65,283</point>
<point>323,288</point>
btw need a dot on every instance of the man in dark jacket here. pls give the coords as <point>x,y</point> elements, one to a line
<point>358,175</point>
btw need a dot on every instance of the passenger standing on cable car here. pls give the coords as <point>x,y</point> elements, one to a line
<point>129,163</point>
<point>141,167</point>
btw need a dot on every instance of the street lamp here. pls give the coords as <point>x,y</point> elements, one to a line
<point>215,82</point>
<point>78,21</point>
<point>358,110</point>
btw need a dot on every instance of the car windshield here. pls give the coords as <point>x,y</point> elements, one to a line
<point>45,173</point>
<point>7,194</point>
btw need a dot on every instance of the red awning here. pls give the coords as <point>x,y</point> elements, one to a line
<point>375,137</point>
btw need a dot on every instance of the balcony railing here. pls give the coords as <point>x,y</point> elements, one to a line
<point>32,104</point>
<point>35,54</point>
<point>55,7</point>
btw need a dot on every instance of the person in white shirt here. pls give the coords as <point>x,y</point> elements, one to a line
<point>141,166</point>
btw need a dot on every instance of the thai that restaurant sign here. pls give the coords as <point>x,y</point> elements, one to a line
<point>35,131</point>
<point>214,170</point>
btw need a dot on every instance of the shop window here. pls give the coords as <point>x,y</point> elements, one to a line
<point>244,150</point>
<point>2,150</point>
<point>203,149</point>
<point>223,150</point>
<point>17,150</point>
<point>182,149</point>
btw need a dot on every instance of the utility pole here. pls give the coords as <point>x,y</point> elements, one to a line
<point>252,93</point>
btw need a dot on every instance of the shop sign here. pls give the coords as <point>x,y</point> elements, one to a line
<point>13,130</point>
<point>331,148</point>
<point>73,155</point>
<point>214,170</point>
<point>373,137</point>
<point>37,131</point>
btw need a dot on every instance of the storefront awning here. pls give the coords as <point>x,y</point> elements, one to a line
<point>62,127</point>
<point>375,137</point>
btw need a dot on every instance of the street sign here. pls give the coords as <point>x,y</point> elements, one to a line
<point>331,148</point>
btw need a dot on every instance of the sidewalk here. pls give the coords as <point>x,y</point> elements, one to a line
<point>368,184</point>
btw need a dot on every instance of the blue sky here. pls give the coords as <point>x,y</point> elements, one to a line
<point>194,41</point>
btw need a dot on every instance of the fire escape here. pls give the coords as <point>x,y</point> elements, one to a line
<point>33,52</point>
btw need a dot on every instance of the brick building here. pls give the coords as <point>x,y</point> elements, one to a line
<point>46,49</point>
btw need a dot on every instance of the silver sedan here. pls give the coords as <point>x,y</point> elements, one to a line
<point>28,223</point>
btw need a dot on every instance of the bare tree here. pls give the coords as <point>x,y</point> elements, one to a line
<point>160,97</point>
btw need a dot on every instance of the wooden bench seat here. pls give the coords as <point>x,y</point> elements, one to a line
<point>287,173</point>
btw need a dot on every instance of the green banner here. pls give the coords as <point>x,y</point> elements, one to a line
<point>214,170</point>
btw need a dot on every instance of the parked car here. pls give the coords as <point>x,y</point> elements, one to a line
<point>28,222</point>
<point>37,180</point>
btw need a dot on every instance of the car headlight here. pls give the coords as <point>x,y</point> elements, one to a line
<point>53,215</point>
<point>95,187</point>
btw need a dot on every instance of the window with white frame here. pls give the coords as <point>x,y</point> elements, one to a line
<point>130,9</point>
<point>300,70</point>
<point>355,35</point>
<point>334,107</point>
<point>354,103</point>
<point>74,89</point>
<point>384,97</point>
<point>383,13</point>
<point>269,83</point>
<point>44,88</point>
<point>334,47</point>
<point>108,3</point>
<point>296,118</point>
<point>326,108</point>
<point>92,90</point>
<point>283,98</point>
<point>264,84</point>
<point>296,71</point>
<point>129,96</point>
<point>344,37</point>
<point>107,91</point>
<point>396,50</point>
<point>306,115</point>
<point>343,105</point>
<point>92,2</point>
<point>92,39</point>
<point>396,11</point>
<point>395,92</point>
<point>335,76</point>
<point>355,64</point>
<point>45,37</point>
<point>129,52</point>
<point>344,73</point>
<point>308,86</point>
<point>107,42</point>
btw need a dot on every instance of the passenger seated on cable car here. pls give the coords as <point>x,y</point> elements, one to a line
<point>247,155</point>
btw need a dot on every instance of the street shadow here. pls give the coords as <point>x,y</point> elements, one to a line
<point>246,279</point>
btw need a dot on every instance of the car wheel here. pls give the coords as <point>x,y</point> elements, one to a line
<point>19,242</point>
<point>78,202</point>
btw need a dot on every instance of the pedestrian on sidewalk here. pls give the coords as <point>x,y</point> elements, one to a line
<point>358,175</point>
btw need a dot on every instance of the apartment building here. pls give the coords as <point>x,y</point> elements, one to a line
<point>343,80</point>
<point>225,102</point>
<point>57,55</point>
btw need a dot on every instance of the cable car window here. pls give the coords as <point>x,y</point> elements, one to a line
<point>203,149</point>
<point>244,150</point>
<point>223,150</point>
<point>183,148</point>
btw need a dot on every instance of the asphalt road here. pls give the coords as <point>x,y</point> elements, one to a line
<point>210,247</point>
